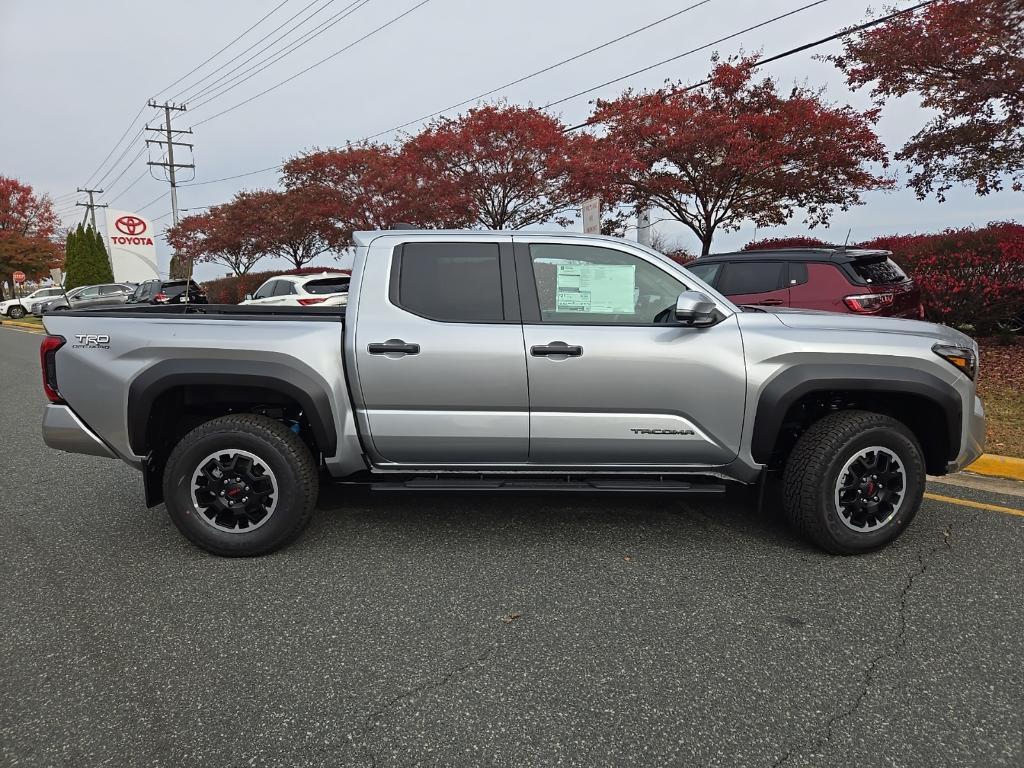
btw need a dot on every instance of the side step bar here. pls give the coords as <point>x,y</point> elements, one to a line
<point>591,486</point>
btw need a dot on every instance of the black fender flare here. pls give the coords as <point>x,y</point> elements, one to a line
<point>305,387</point>
<point>788,386</point>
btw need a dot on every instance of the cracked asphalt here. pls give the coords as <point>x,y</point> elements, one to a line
<point>492,630</point>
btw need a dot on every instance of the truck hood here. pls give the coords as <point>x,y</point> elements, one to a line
<point>809,319</point>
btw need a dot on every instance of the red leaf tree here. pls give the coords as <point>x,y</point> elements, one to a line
<point>368,187</point>
<point>222,235</point>
<point>965,58</point>
<point>291,224</point>
<point>733,151</point>
<point>509,167</point>
<point>27,224</point>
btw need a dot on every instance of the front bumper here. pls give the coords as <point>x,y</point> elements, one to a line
<point>63,430</point>
<point>973,443</point>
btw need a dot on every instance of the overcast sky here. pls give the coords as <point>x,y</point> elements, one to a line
<point>73,75</point>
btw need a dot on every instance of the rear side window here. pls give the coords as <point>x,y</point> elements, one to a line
<point>284,288</point>
<point>110,290</point>
<point>327,285</point>
<point>452,282</point>
<point>706,272</point>
<point>874,272</point>
<point>742,277</point>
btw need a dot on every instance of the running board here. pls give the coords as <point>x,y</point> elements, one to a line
<point>591,486</point>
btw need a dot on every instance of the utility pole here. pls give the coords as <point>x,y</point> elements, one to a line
<point>643,226</point>
<point>170,165</point>
<point>91,205</point>
<point>170,143</point>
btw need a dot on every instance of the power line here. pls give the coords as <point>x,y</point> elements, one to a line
<point>234,58</point>
<point>114,148</point>
<point>117,178</point>
<point>684,54</point>
<point>308,37</point>
<point>138,178</point>
<point>545,70</point>
<point>784,54</point>
<point>155,200</point>
<point>218,53</point>
<point>792,51</point>
<point>340,51</point>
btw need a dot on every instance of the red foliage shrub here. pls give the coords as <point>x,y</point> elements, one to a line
<point>785,242</point>
<point>967,276</point>
<point>232,290</point>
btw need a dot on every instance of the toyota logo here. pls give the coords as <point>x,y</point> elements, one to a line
<point>130,225</point>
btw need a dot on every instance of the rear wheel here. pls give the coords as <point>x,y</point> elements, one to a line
<point>854,481</point>
<point>240,485</point>
<point>16,312</point>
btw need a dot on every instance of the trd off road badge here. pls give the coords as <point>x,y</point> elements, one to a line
<point>91,341</point>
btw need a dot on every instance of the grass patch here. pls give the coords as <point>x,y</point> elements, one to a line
<point>1001,386</point>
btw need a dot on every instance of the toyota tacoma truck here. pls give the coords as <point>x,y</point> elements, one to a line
<point>495,361</point>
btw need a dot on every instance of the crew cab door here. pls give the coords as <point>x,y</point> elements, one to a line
<point>613,378</point>
<point>440,375</point>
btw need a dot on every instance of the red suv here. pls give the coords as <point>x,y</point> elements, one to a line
<point>831,279</point>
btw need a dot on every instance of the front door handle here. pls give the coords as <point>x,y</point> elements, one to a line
<point>770,302</point>
<point>556,348</point>
<point>393,347</point>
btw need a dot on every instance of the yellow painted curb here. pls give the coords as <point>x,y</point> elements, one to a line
<point>18,324</point>
<point>975,504</point>
<point>998,466</point>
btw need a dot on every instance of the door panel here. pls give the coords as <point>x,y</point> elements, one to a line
<point>432,390</point>
<point>628,389</point>
<point>607,404</point>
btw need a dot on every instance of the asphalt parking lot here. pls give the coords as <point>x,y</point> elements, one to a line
<point>492,630</point>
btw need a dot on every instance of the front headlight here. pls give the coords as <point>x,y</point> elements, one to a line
<point>963,358</point>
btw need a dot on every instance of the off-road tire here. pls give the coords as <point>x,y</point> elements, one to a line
<point>283,452</point>
<point>812,471</point>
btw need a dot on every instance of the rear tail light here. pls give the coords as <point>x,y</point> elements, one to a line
<point>48,361</point>
<point>160,298</point>
<point>868,302</point>
<point>307,302</point>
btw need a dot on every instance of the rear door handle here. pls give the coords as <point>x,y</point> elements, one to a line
<point>556,348</point>
<point>770,302</point>
<point>393,347</point>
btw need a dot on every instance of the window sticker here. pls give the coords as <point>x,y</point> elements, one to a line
<point>602,289</point>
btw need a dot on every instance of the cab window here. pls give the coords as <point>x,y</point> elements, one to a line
<point>266,290</point>
<point>585,284</point>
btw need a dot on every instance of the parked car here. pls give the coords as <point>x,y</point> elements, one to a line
<point>107,294</point>
<point>17,308</point>
<point>329,289</point>
<point>167,292</point>
<point>493,361</point>
<point>864,282</point>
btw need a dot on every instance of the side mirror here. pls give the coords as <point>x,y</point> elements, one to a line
<point>695,308</point>
<point>248,297</point>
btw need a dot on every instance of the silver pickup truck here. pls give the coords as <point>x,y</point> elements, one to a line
<point>512,361</point>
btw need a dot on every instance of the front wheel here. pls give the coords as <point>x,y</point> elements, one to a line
<point>240,485</point>
<point>854,481</point>
<point>16,312</point>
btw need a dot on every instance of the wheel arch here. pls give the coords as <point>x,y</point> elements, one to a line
<point>930,407</point>
<point>303,388</point>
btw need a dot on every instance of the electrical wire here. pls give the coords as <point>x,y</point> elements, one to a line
<point>793,51</point>
<point>340,51</point>
<point>685,53</point>
<point>233,82</point>
<point>138,178</point>
<point>237,56</point>
<point>542,71</point>
<point>155,200</point>
<point>218,53</point>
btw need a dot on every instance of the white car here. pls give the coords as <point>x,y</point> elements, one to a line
<point>326,289</point>
<point>18,308</point>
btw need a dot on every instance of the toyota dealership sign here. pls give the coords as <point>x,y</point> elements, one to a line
<point>132,246</point>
